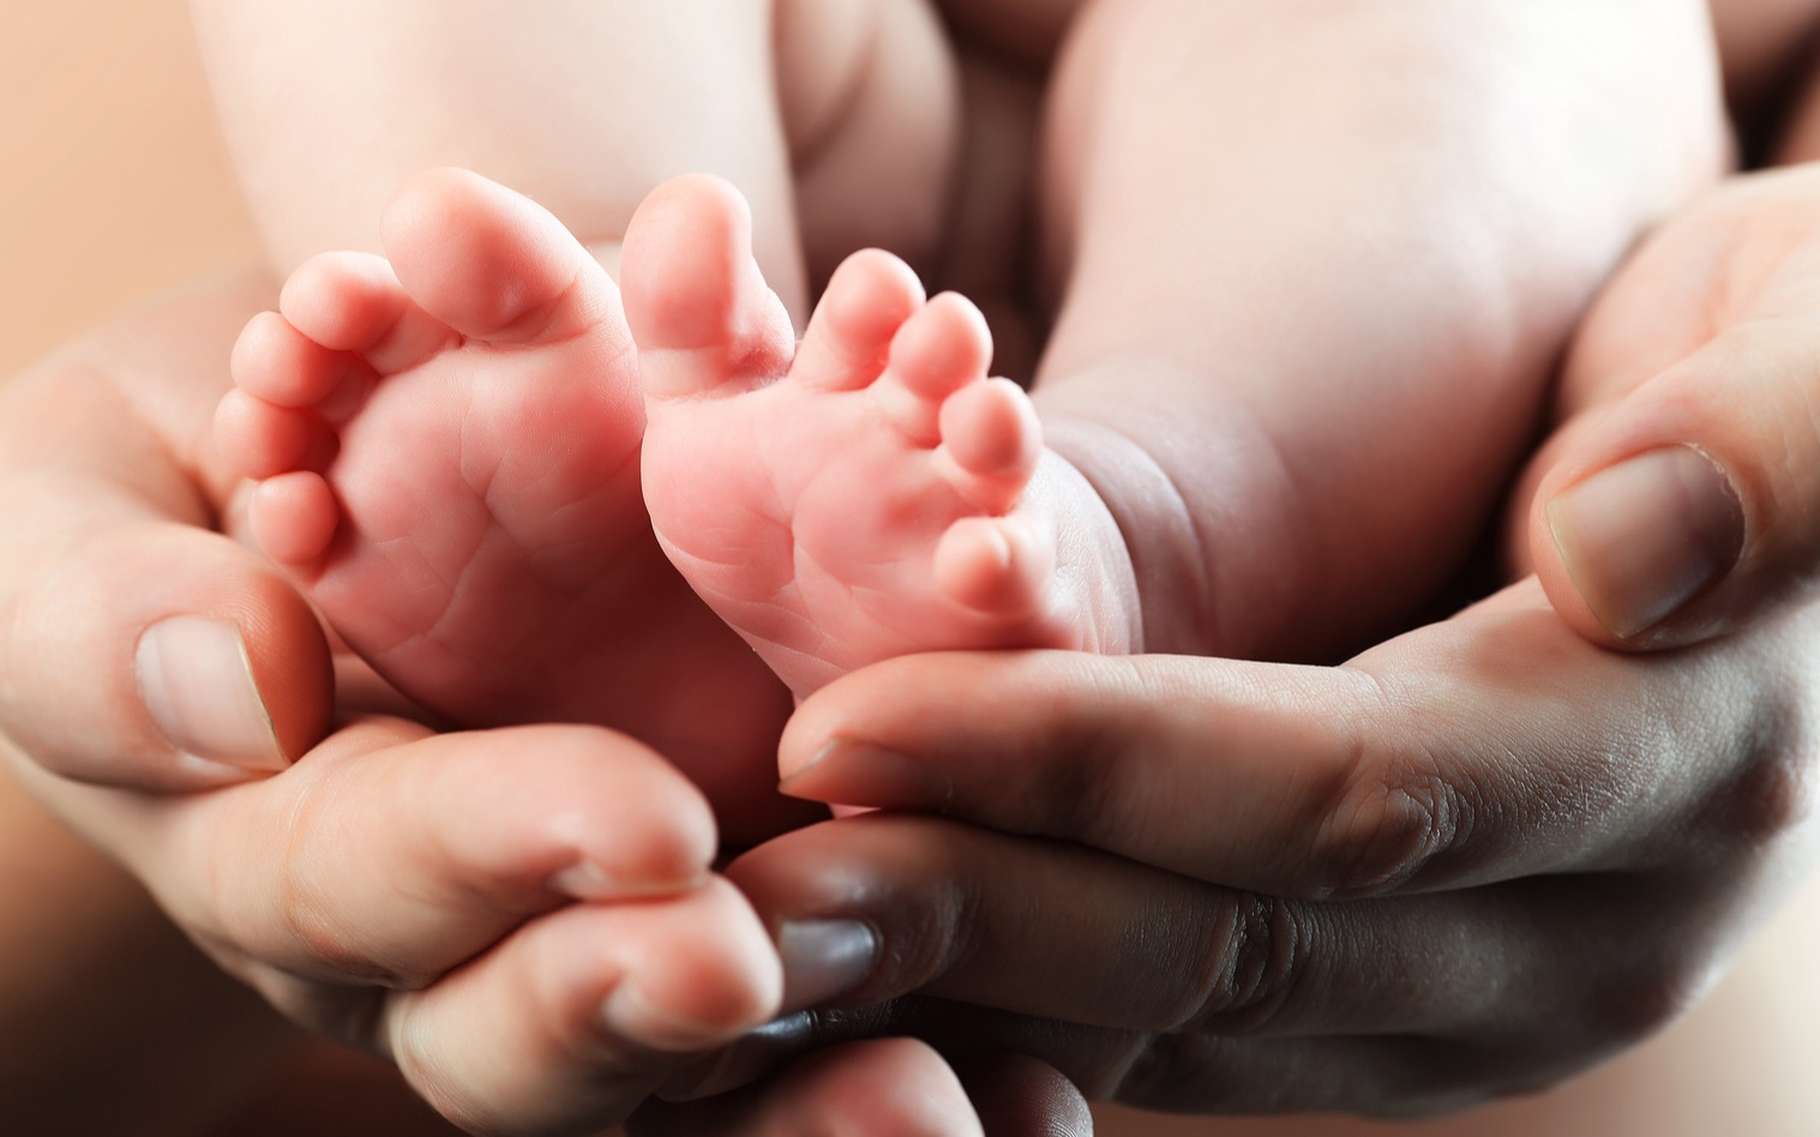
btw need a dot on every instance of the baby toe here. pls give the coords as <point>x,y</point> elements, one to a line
<point>998,567</point>
<point>991,435</point>
<point>703,318</point>
<point>937,351</point>
<point>343,301</point>
<point>293,517</point>
<point>868,299</point>
<point>275,362</point>
<point>257,439</point>
<point>491,263</point>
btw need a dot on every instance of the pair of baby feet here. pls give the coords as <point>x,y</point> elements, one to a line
<point>506,490</point>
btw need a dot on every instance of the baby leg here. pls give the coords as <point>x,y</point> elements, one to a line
<point>1316,263</point>
<point>585,107</point>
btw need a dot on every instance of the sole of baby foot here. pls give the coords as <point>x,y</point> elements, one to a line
<point>867,493</point>
<point>448,443</point>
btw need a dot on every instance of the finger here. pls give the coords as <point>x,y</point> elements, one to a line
<point>891,1087</point>
<point>1687,507</point>
<point>965,914</point>
<point>1017,1096</point>
<point>1428,763</point>
<point>474,832</point>
<point>1185,1072</point>
<point>568,1024</point>
<point>138,648</point>
<point>158,656</point>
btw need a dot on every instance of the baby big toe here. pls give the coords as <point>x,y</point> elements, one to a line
<point>491,263</point>
<point>700,312</point>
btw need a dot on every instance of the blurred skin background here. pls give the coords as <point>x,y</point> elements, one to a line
<point>115,187</point>
<point>115,182</point>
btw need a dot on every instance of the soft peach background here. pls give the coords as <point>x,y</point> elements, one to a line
<point>113,181</point>
<point>115,186</point>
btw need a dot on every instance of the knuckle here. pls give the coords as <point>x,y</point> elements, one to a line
<point>1080,780</point>
<point>304,902</point>
<point>1075,793</point>
<point>1253,967</point>
<point>1767,799</point>
<point>1390,823</point>
<point>1773,789</point>
<point>1643,999</point>
<point>437,1085</point>
<point>939,927</point>
<point>1199,1073</point>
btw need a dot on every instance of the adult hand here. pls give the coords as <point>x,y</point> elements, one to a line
<point>139,645</point>
<point>1683,499</point>
<point>1471,861</point>
<point>523,920</point>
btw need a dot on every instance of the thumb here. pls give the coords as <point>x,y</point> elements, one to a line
<point>1692,505</point>
<point>155,655</point>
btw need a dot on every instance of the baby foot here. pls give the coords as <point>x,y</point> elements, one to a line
<point>448,442</point>
<point>882,496</point>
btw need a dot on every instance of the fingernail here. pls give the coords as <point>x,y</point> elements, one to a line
<point>824,959</point>
<point>1643,538</point>
<point>755,1053</point>
<point>588,880</point>
<point>197,682</point>
<point>854,773</point>
<point>627,1014</point>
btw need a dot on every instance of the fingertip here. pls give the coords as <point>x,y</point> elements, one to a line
<point>288,656</point>
<point>663,847</point>
<point>885,703</point>
<point>165,656</point>
<point>699,971</point>
<point>1015,1094</point>
<point>1546,563</point>
<point>900,1086</point>
<point>575,811</point>
<point>1642,552</point>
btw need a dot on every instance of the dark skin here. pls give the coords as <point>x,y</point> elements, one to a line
<point>1053,773</point>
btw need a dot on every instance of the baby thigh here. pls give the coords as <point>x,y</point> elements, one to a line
<point>1346,225</point>
<point>585,107</point>
<point>870,100</point>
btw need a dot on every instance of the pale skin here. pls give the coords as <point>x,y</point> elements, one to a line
<point>445,436</point>
<point>453,950</point>
<point>1127,532</point>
